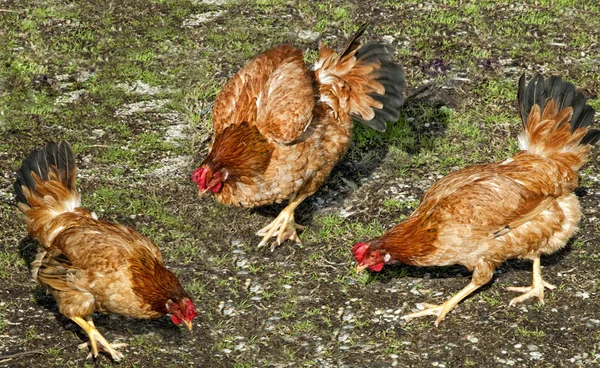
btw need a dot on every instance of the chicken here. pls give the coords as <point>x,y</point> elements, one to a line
<point>90,265</point>
<point>279,129</point>
<point>521,207</point>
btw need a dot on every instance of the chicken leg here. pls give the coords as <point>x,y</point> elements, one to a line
<point>96,338</point>
<point>537,287</point>
<point>441,310</point>
<point>482,274</point>
<point>283,227</point>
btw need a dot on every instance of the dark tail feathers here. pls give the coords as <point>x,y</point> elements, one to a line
<point>391,76</point>
<point>58,159</point>
<point>539,92</point>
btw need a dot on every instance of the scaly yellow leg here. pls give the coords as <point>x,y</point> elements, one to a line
<point>441,310</point>
<point>482,274</point>
<point>96,338</point>
<point>283,227</point>
<point>536,288</point>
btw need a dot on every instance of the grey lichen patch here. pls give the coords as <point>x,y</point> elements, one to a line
<point>199,19</point>
<point>177,133</point>
<point>140,88</point>
<point>308,35</point>
<point>141,107</point>
<point>70,97</point>
<point>172,166</point>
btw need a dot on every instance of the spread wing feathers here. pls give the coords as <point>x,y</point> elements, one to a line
<point>363,83</point>
<point>285,104</point>
<point>546,106</point>
<point>236,103</point>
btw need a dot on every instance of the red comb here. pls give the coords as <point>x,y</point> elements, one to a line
<point>359,251</point>
<point>190,311</point>
<point>199,176</point>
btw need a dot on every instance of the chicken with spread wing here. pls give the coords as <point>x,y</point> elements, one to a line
<point>279,129</point>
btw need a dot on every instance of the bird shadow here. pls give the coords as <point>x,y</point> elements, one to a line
<point>422,120</point>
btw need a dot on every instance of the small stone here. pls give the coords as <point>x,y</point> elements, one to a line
<point>518,346</point>
<point>472,339</point>
<point>535,355</point>
<point>532,347</point>
<point>308,35</point>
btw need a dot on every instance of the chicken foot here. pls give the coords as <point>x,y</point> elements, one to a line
<point>283,227</point>
<point>482,274</point>
<point>537,287</point>
<point>96,339</point>
<point>441,310</point>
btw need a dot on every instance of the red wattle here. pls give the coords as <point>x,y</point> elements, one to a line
<point>176,320</point>
<point>378,267</point>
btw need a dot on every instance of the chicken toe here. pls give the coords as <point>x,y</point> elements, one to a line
<point>97,341</point>
<point>283,227</point>
<point>537,287</point>
<point>431,310</point>
<point>481,275</point>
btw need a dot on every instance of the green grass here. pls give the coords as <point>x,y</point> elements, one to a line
<point>10,263</point>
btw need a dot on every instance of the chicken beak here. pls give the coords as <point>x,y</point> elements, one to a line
<point>188,324</point>
<point>360,268</point>
<point>201,193</point>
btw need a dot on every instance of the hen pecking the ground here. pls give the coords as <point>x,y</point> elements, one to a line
<point>279,129</point>
<point>87,264</point>
<point>521,207</point>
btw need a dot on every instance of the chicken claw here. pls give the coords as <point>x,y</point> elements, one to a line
<point>116,355</point>
<point>443,309</point>
<point>537,287</point>
<point>283,227</point>
<point>432,310</point>
<point>96,339</point>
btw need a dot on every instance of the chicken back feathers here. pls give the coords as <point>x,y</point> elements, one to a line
<point>280,129</point>
<point>522,207</point>
<point>88,264</point>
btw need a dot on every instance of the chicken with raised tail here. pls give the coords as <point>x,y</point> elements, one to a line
<point>87,264</point>
<point>521,207</point>
<point>279,129</point>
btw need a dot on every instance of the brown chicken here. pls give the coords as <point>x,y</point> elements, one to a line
<point>279,129</point>
<point>87,264</point>
<point>483,215</point>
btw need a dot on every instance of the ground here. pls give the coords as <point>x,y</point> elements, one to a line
<point>130,83</point>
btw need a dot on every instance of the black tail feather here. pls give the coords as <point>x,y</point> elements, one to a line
<point>353,41</point>
<point>66,165</point>
<point>58,158</point>
<point>564,94</point>
<point>391,76</point>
